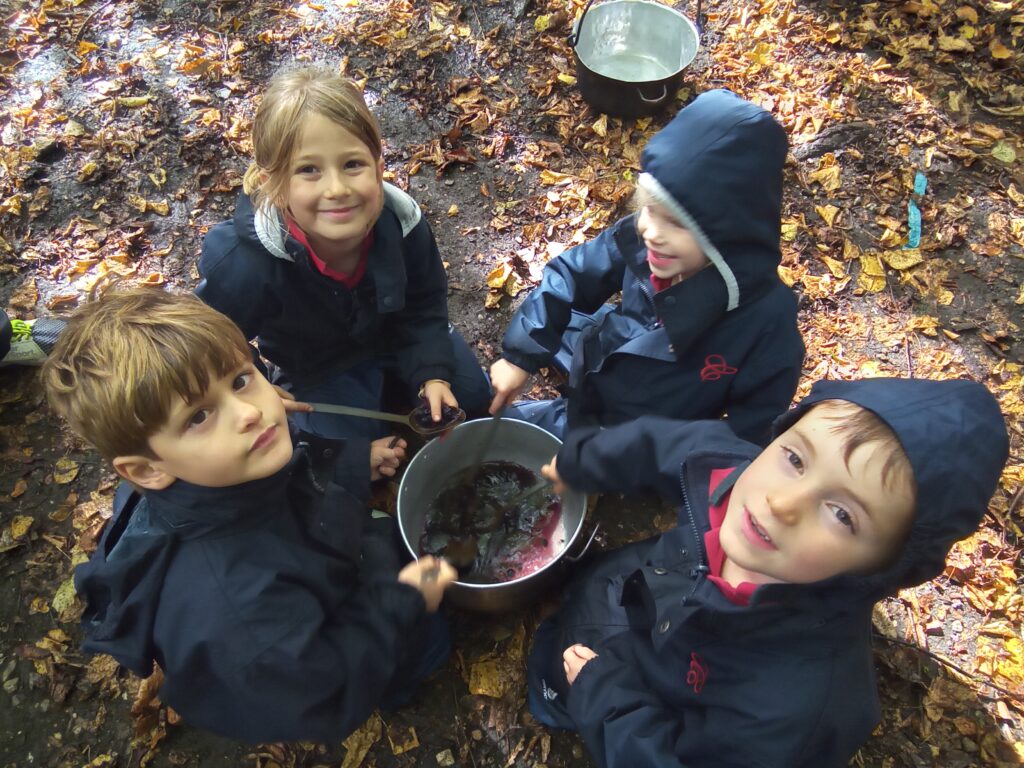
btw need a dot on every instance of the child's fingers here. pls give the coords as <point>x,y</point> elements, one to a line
<point>449,398</point>
<point>497,403</point>
<point>294,406</point>
<point>447,573</point>
<point>550,471</point>
<point>578,652</point>
<point>435,405</point>
<point>291,405</point>
<point>584,653</point>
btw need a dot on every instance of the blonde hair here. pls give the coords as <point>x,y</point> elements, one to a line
<point>124,358</point>
<point>291,96</point>
<point>640,199</point>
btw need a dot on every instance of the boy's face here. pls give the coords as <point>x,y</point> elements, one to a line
<point>672,250</point>
<point>236,432</point>
<point>334,188</point>
<point>800,513</point>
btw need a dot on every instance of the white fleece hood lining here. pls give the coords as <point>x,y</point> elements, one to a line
<point>653,187</point>
<point>272,232</point>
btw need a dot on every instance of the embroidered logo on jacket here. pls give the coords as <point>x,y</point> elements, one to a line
<point>715,368</point>
<point>698,673</point>
<point>550,694</point>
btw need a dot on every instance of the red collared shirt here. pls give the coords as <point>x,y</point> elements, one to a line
<point>739,595</point>
<point>350,280</point>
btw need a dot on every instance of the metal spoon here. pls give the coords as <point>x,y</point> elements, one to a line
<point>410,420</point>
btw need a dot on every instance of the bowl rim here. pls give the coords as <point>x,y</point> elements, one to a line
<point>569,541</point>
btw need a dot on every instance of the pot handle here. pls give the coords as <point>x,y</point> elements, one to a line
<point>586,547</point>
<point>664,95</point>
<point>574,36</point>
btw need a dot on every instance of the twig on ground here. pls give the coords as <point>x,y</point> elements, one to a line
<point>89,18</point>
<point>949,664</point>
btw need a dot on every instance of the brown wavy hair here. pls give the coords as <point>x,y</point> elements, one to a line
<point>124,359</point>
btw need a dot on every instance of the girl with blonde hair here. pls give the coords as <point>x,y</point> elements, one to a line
<point>334,272</point>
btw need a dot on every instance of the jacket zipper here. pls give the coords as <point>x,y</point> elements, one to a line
<point>701,569</point>
<point>645,290</point>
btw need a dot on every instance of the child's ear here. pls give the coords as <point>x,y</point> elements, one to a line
<point>143,472</point>
<point>380,167</point>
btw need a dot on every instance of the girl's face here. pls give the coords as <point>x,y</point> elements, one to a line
<point>334,191</point>
<point>672,250</point>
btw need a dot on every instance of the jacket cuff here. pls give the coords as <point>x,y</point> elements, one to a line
<point>529,364</point>
<point>422,375</point>
<point>570,464</point>
<point>404,604</point>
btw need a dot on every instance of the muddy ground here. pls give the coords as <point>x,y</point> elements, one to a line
<point>474,112</point>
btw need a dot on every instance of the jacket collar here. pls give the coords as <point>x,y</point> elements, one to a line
<point>270,229</point>
<point>192,510</point>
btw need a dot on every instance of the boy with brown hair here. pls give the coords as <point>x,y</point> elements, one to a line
<point>245,565</point>
<point>742,637</point>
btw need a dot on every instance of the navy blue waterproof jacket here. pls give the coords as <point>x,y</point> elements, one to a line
<point>724,340</point>
<point>272,607</point>
<point>683,677</point>
<point>310,325</point>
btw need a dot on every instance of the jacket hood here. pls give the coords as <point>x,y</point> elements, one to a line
<point>265,226</point>
<point>717,167</point>
<point>955,438</point>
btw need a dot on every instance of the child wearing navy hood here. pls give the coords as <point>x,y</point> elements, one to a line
<point>246,564</point>
<point>742,637</point>
<point>705,326</point>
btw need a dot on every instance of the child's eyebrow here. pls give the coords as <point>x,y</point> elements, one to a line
<point>344,153</point>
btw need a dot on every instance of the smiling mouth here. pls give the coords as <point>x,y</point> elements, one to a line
<point>659,258</point>
<point>758,534</point>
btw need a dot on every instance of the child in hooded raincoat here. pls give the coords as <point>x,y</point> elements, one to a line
<point>334,272</point>
<point>242,559</point>
<point>705,326</point>
<point>742,637</point>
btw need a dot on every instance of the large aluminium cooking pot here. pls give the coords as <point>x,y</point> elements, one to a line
<point>630,54</point>
<point>441,458</point>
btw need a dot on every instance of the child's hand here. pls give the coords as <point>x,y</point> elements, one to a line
<point>574,658</point>
<point>507,380</point>
<point>431,576</point>
<point>385,456</point>
<point>438,393</point>
<point>550,471</point>
<point>290,403</point>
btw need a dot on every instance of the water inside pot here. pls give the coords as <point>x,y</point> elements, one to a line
<point>632,68</point>
<point>472,524</point>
